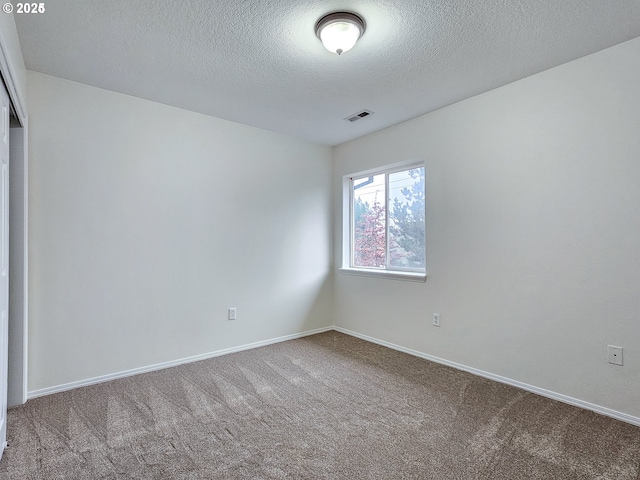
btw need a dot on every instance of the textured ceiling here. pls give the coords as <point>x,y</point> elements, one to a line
<point>260,63</point>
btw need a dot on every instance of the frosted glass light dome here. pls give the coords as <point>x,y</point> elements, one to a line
<point>339,31</point>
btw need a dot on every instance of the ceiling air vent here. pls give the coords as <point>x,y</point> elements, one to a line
<point>359,115</point>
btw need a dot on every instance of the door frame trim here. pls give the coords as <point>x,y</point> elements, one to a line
<point>18,240</point>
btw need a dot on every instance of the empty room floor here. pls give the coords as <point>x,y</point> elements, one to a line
<point>328,406</point>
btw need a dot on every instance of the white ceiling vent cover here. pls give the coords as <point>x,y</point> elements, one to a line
<point>359,115</point>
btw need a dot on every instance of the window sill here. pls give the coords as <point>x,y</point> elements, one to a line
<point>407,276</point>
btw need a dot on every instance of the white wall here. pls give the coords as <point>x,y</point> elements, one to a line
<point>147,222</point>
<point>533,231</point>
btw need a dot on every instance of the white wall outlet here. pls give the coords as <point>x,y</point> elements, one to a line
<point>232,313</point>
<point>615,354</point>
<point>436,319</point>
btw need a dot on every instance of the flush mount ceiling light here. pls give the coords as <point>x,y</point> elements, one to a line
<point>339,31</point>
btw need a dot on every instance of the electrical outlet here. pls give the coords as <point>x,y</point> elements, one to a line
<point>615,354</point>
<point>232,313</point>
<point>436,319</point>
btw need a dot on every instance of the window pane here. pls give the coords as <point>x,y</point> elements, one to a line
<point>406,222</point>
<point>369,237</point>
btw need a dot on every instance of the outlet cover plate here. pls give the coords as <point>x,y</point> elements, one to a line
<point>615,354</point>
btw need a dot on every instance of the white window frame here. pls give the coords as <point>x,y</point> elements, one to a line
<point>348,247</point>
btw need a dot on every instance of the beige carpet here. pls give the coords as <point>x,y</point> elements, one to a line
<point>324,407</point>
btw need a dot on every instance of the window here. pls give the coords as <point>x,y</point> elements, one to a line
<point>386,222</point>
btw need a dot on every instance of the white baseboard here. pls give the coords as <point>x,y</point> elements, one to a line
<point>491,376</point>
<point>173,363</point>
